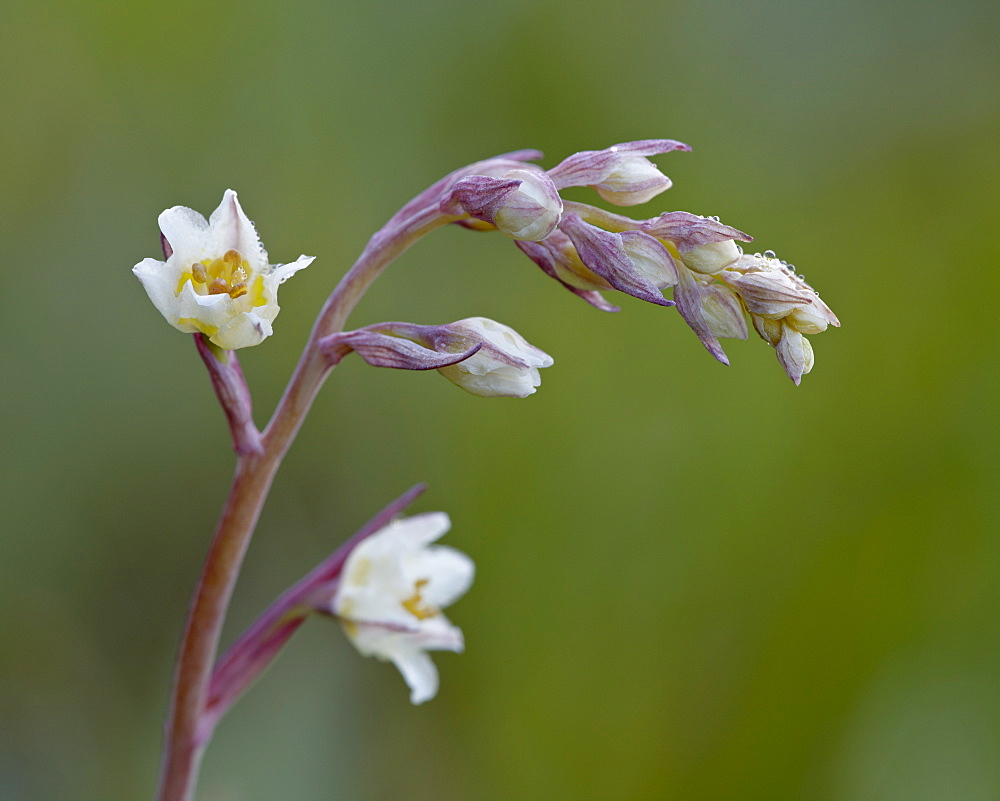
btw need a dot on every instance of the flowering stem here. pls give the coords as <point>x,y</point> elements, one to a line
<point>255,470</point>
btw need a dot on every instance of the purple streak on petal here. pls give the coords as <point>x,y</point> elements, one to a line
<point>688,299</point>
<point>481,195</point>
<point>604,253</point>
<point>385,350</point>
<point>689,231</point>
<point>590,167</point>
<point>167,250</point>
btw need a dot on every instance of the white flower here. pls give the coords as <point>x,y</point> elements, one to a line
<point>392,589</point>
<point>506,366</point>
<point>216,278</point>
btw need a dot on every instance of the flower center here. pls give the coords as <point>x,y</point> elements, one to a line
<point>415,605</point>
<point>225,276</point>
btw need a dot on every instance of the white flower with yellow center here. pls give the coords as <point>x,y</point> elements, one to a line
<point>392,589</point>
<point>216,278</point>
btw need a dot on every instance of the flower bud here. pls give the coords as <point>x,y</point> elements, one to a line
<point>631,262</point>
<point>795,354</point>
<point>621,174</point>
<point>523,204</point>
<point>505,366</point>
<point>723,311</point>
<point>768,293</point>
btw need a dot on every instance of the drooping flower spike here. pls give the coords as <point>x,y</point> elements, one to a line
<point>216,278</point>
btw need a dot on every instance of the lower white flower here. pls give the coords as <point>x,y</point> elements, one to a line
<point>392,589</point>
<point>216,278</point>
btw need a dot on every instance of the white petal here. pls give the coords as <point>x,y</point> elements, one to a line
<point>282,272</point>
<point>421,529</point>
<point>161,285</point>
<point>186,230</point>
<point>419,673</point>
<point>449,574</point>
<point>242,331</point>
<point>231,228</point>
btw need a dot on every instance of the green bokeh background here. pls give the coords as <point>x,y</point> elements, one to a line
<point>693,582</point>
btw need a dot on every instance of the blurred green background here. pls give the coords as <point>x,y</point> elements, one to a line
<point>693,582</point>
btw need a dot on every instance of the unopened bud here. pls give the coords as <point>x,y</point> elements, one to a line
<point>723,311</point>
<point>523,204</point>
<point>795,354</point>
<point>621,174</point>
<point>506,365</point>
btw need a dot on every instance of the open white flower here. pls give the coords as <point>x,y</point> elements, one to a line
<point>506,366</point>
<point>216,278</point>
<point>392,589</point>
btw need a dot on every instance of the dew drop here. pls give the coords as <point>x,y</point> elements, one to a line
<point>770,254</point>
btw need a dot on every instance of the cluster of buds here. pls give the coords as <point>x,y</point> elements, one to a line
<point>589,250</point>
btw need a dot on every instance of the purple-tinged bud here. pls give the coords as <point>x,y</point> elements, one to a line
<point>795,354</point>
<point>621,174</point>
<point>523,204</point>
<point>631,262</point>
<point>768,293</point>
<point>506,365</point>
<point>689,295</point>
<point>723,311</point>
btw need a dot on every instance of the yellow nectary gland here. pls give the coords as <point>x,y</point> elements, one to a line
<point>415,605</point>
<point>225,276</point>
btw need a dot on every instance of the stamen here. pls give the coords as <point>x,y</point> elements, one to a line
<point>238,290</point>
<point>415,605</point>
<point>233,258</point>
<point>219,286</point>
<point>198,273</point>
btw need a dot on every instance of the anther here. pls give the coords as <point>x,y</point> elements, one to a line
<point>233,258</point>
<point>218,287</point>
<point>238,290</point>
<point>199,273</point>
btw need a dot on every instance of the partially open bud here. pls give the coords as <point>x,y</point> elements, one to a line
<point>505,366</point>
<point>523,204</point>
<point>621,174</point>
